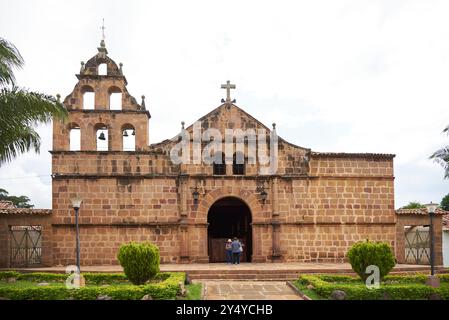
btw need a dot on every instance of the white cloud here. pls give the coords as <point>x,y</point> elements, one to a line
<point>365,76</point>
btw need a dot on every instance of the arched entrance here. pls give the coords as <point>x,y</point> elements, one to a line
<point>228,218</point>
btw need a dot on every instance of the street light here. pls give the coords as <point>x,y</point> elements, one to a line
<point>196,196</point>
<point>432,281</point>
<point>76,203</point>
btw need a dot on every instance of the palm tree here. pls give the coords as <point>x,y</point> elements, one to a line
<point>21,110</point>
<point>441,156</point>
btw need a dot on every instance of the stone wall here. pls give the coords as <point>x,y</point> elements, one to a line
<point>319,217</point>
<point>25,217</point>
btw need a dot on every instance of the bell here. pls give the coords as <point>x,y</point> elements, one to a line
<point>125,133</point>
<point>102,137</point>
<point>134,132</point>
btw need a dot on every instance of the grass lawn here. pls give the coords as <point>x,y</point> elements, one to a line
<point>193,292</point>
<point>310,293</point>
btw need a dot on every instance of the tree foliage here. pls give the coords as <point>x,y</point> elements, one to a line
<point>413,205</point>
<point>445,203</point>
<point>18,201</point>
<point>441,156</point>
<point>20,109</point>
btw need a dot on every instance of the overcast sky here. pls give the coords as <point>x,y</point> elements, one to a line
<point>346,76</point>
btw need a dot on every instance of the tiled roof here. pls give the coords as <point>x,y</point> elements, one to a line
<point>422,211</point>
<point>353,155</point>
<point>24,211</point>
<point>446,222</point>
<point>6,204</point>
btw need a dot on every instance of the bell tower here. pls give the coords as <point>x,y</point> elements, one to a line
<point>103,116</point>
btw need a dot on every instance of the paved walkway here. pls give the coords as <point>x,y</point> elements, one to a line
<point>248,290</point>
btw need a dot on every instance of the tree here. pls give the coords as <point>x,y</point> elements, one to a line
<point>20,109</point>
<point>441,156</point>
<point>413,205</point>
<point>18,201</point>
<point>445,203</point>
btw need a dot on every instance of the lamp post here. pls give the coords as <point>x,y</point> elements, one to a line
<point>196,196</point>
<point>76,203</point>
<point>263,196</point>
<point>432,281</point>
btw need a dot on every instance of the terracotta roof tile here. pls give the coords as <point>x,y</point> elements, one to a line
<point>446,222</point>
<point>353,155</point>
<point>422,211</point>
<point>25,211</point>
<point>4,204</point>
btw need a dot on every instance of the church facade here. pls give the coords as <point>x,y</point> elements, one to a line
<point>311,208</point>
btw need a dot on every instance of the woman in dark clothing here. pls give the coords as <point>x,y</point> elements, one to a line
<point>236,250</point>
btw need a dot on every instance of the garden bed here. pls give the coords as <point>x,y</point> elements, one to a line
<point>395,287</point>
<point>50,286</point>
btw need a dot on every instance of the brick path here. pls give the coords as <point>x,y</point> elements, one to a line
<point>248,290</point>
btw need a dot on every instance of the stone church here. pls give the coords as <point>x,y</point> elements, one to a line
<point>311,209</point>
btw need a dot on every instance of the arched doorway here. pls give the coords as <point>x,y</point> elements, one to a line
<point>228,218</point>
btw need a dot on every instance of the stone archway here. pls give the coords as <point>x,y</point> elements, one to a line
<point>229,217</point>
<point>246,196</point>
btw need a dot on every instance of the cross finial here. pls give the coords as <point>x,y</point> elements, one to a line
<point>102,30</point>
<point>228,86</point>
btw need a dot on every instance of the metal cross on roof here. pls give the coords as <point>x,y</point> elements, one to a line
<point>102,30</point>
<point>228,86</point>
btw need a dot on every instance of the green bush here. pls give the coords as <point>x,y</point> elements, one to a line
<point>365,253</point>
<point>140,261</point>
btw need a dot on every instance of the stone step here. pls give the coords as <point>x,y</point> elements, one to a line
<point>273,276</point>
<point>279,274</point>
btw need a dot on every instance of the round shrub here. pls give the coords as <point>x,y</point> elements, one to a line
<point>140,261</point>
<point>365,253</point>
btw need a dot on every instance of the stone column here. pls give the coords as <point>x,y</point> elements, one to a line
<point>276,250</point>
<point>183,216</point>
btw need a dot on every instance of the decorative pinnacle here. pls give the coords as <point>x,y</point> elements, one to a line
<point>274,125</point>
<point>102,31</point>
<point>142,104</point>
<point>58,97</point>
<point>102,51</point>
<point>182,125</point>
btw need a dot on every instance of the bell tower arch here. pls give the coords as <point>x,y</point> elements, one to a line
<point>102,107</point>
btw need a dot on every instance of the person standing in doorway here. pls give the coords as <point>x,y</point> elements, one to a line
<point>236,247</point>
<point>228,248</point>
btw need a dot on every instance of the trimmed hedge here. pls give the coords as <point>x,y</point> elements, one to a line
<point>93,278</point>
<point>90,277</point>
<point>406,287</point>
<point>368,253</point>
<point>140,261</point>
<point>169,288</point>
